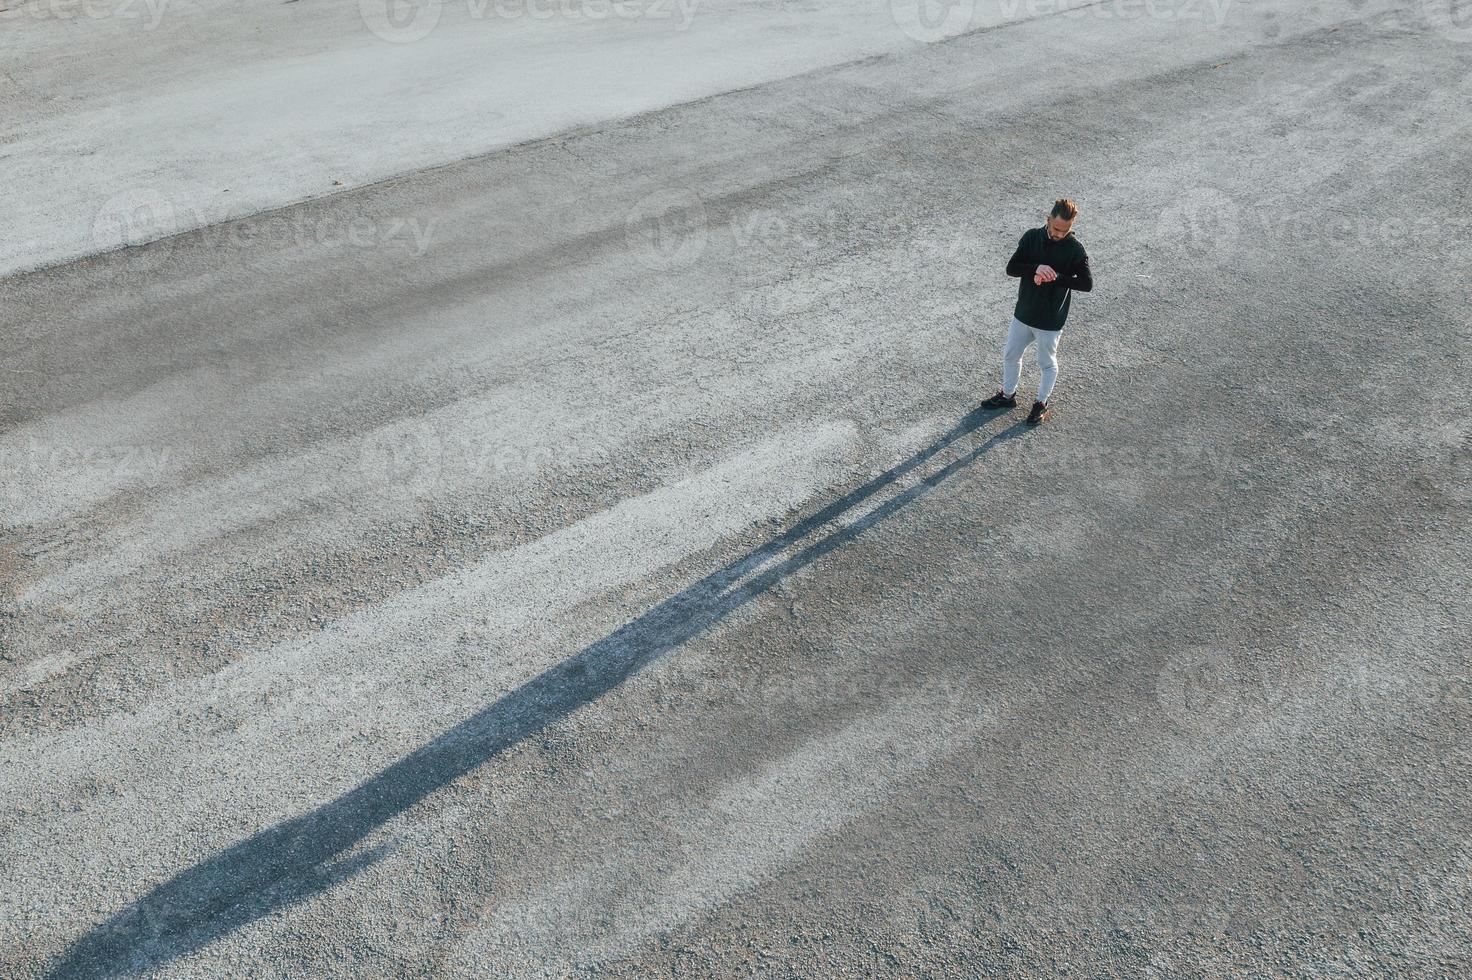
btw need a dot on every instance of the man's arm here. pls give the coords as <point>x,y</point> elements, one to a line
<point>1081,278</point>
<point>1016,267</point>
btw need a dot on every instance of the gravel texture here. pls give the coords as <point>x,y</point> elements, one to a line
<point>588,558</point>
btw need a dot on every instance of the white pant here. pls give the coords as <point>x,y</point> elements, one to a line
<point>1019,335</point>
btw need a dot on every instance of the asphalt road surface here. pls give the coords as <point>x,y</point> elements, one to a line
<point>589,558</point>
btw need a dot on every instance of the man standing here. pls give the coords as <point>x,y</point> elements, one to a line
<point>1051,264</point>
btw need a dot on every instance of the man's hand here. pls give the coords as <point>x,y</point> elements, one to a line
<point>1045,273</point>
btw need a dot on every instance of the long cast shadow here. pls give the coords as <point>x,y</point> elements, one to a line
<point>303,856</point>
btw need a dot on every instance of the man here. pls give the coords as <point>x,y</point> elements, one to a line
<point>1051,264</point>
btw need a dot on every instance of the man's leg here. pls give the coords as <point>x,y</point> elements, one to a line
<point>1047,361</point>
<point>1019,335</point>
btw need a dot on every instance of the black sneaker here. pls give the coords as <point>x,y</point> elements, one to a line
<point>1000,400</point>
<point>1039,413</point>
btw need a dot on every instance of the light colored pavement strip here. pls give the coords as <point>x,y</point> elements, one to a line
<point>191,112</point>
<point>439,453</point>
<point>376,650</point>
<point>1268,481</point>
